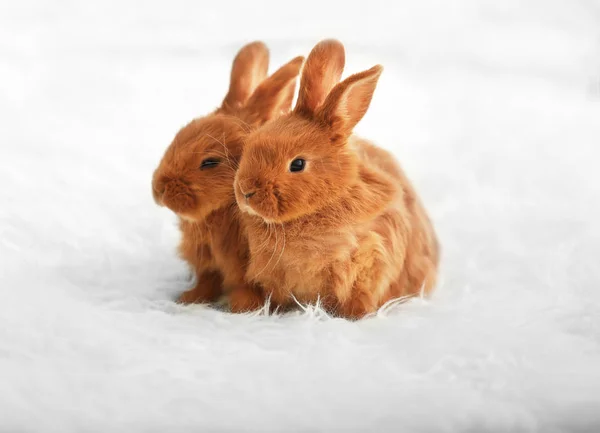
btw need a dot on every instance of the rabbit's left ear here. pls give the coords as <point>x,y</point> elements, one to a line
<point>322,71</point>
<point>248,70</point>
<point>348,101</point>
<point>275,94</point>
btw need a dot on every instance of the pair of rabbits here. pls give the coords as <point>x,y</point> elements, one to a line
<point>289,205</point>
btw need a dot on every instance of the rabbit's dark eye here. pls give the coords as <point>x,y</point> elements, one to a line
<point>209,163</point>
<point>297,164</point>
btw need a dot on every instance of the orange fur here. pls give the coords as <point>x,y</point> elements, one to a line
<point>349,229</point>
<point>213,241</point>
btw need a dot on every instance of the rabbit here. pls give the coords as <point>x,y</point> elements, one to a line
<point>330,217</point>
<point>195,176</point>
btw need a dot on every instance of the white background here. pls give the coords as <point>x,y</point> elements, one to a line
<point>493,109</point>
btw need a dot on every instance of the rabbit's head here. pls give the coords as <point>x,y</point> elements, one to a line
<point>300,162</point>
<point>196,173</point>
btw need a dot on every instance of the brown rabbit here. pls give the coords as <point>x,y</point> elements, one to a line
<point>195,177</point>
<point>329,215</point>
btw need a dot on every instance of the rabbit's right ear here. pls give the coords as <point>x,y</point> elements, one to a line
<point>322,71</point>
<point>248,70</point>
<point>275,94</point>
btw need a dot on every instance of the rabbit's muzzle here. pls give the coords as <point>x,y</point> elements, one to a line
<point>175,195</point>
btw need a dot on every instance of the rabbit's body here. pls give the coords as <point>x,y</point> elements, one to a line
<point>330,216</point>
<point>334,264</point>
<point>217,250</point>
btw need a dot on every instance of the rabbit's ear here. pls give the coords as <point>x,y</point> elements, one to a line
<point>348,102</point>
<point>248,70</point>
<point>322,71</point>
<point>275,94</point>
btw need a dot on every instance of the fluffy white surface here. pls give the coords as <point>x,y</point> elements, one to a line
<point>493,108</point>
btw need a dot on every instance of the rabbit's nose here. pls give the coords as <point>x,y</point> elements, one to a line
<point>178,197</point>
<point>158,189</point>
<point>156,195</point>
<point>248,188</point>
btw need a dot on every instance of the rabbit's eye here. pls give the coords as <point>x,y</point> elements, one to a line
<point>209,163</point>
<point>297,164</point>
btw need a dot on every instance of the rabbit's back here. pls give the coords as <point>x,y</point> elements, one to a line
<point>410,240</point>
